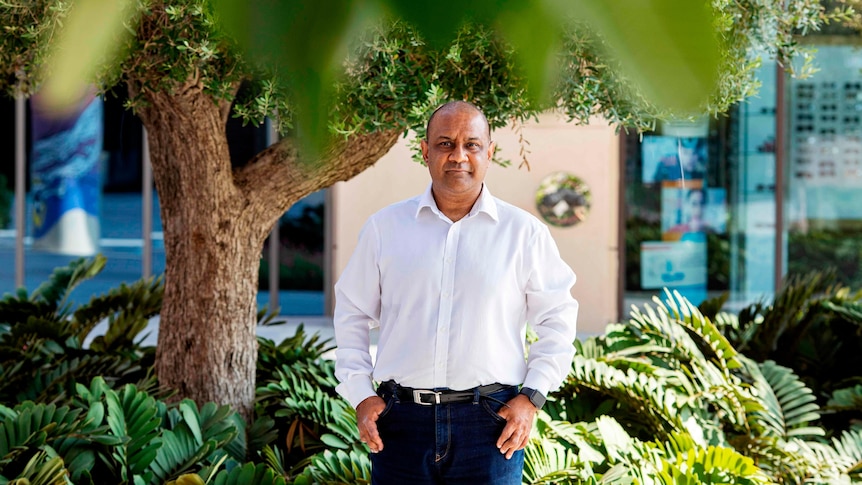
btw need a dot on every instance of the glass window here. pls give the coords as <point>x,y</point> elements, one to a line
<point>700,205</point>
<point>824,176</point>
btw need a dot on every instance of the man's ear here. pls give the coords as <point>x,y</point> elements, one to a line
<point>491,148</point>
<point>424,145</point>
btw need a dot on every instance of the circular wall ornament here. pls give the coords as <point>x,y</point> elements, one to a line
<point>563,199</point>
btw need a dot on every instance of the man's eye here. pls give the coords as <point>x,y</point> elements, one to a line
<point>446,144</point>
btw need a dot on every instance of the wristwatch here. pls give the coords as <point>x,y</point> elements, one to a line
<point>537,398</point>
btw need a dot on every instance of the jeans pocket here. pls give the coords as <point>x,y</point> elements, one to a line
<point>491,408</point>
<point>389,404</point>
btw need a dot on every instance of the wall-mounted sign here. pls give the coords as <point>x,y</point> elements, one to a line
<point>563,199</point>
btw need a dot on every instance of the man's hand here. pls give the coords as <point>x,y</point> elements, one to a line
<point>519,413</point>
<point>366,417</point>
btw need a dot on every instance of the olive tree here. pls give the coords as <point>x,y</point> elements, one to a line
<point>187,74</point>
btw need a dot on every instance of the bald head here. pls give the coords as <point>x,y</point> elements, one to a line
<point>453,106</point>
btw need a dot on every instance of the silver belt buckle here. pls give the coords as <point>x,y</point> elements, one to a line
<point>418,393</point>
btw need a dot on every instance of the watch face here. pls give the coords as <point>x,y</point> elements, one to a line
<point>535,396</point>
<point>537,399</point>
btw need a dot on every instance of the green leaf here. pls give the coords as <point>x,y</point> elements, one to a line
<point>89,38</point>
<point>789,406</point>
<point>535,34</point>
<point>305,42</point>
<point>668,47</point>
<point>334,441</point>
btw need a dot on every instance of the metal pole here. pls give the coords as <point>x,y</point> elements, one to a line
<point>274,266</point>
<point>780,157</point>
<point>146,210</point>
<point>20,169</point>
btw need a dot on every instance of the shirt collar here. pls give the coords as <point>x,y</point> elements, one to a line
<point>485,203</point>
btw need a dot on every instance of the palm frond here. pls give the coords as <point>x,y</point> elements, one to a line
<point>693,320</point>
<point>839,463</point>
<point>337,468</point>
<point>790,406</point>
<point>639,391</point>
<point>128,310</point>
<point>547,462</point>
<point>42,470</point>
<point>64,279</point>
<point>787,318</point>
<point>847,399</point>
<point>133,416</point>
<point>249,474</point>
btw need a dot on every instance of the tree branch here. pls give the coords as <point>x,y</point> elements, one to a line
<point>277,178</point>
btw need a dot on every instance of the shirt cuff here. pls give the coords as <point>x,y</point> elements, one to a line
<point>537,381</point>
<point>356,390</point>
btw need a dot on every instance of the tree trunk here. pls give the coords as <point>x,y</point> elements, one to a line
<point>215,221</point>
<point>206,346</point>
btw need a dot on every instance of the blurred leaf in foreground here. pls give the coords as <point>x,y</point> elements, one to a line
<point>667,47</point>
<point>89,39</point>
<point>305,42</point>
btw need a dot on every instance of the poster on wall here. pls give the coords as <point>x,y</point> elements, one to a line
<point>677,265</point>
<point>673,158</point>
<point>687,207</point>
<point>66,177</point>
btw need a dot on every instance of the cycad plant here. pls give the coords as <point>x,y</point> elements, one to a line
<point>665,398</point>
<point>42,336</point>
<point>813,325</point>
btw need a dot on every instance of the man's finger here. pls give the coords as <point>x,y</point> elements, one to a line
<point>511,445</point>
<point>505,435</point>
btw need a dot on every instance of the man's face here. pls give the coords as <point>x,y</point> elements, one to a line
<point>458,151</point>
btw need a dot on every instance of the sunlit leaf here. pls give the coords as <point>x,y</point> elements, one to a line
<point>305,42</point>
<point>668,47</point>
<point>535,34</point>
<point>439,20</point>
<point>90,38</point>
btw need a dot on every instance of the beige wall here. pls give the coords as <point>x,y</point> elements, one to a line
<point>589,152</point>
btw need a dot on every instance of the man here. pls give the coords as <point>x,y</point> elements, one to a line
<point>451,279</point>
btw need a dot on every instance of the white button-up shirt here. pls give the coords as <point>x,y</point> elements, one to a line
<point>452,300</point>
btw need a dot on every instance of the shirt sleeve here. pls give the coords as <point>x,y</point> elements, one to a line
<point>357,310</point>
<point>552,312</point>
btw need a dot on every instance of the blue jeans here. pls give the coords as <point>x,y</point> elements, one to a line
<point>445,444</point>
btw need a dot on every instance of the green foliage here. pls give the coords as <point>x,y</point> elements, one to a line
<point>42,351</point>
<point>848,399</point>
<point>819,248</point>
<point>337,468</point>
<point>317,427</point>
<point>790,405</point>
<point>665,397</point>
<point>813,327</point>
<point>247,474</point>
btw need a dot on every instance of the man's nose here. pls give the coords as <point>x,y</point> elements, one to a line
<point>458,154</point>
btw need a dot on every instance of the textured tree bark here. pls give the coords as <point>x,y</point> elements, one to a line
<point>215,221</point>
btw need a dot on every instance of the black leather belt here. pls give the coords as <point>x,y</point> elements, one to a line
<point>430,397</point>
